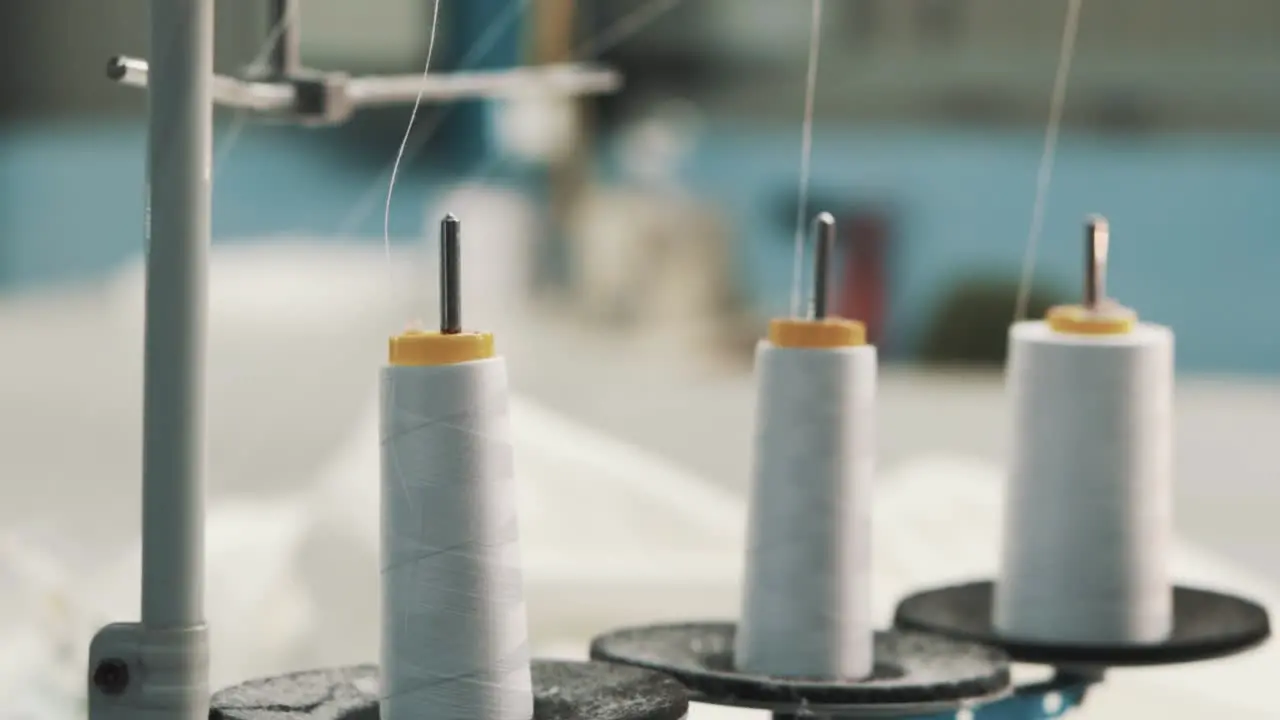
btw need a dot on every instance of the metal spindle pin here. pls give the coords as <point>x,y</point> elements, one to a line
<point>450,276</point>
<point>1097,240</point>
<point>824,230</point>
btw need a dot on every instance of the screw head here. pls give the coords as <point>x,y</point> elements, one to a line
<point>111,677</point>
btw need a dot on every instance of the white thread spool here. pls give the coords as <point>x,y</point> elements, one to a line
<point>454,635</point>
<point>1088,521</point>
<point>807,604</point>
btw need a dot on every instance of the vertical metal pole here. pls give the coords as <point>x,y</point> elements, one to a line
<point>158,669</point>
<point>179,165</point>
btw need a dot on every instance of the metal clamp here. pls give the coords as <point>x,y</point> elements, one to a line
<point>137,673</point>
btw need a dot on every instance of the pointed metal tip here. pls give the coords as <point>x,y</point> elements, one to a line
<point>1099,237</point>
<point>1098,225</point>
<point>451,219</point>
<point>824,225</point>
<point>1097,247</point>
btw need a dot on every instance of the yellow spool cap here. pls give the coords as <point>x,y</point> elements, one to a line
<point>1080,320</point>
<point>817,334</point>
<point>417,348</point>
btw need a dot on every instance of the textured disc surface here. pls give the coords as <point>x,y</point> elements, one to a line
<point>561,691</point>
<point>1206,625</point>
<point>915,672</point>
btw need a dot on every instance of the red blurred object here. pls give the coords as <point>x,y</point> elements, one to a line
<point>863,288</point>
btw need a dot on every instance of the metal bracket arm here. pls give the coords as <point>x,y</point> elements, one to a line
<point>317,98</point>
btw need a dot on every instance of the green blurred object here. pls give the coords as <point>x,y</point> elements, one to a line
<point>971,326</point>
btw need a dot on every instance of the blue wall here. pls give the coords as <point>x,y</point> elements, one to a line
<point>1196,221</point>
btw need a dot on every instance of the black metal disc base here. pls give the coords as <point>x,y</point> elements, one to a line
<point>561,691</point>
<point>1206,625</point>
<point>916,674</point>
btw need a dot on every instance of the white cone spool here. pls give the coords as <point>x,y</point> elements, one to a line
<point>807,604</point>
<point>1088,520</point>
<point>454,635</point>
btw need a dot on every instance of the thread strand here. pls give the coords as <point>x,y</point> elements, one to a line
<point>395,166</point>
<point>479,50</point>
<point>806,156</point>
<point>1044,174</point>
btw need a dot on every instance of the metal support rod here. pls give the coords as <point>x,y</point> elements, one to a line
<point>284,22</point>
<point>450,276</point>
<point>181,116</point>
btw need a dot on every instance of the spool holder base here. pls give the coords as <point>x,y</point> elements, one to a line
<point>561,691</point>
<point>917,675</point>
<point>1206,625</point>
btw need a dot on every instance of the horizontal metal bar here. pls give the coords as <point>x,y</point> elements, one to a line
<point>276,98</point>
<point>260,97</point>
<point>565,80</point>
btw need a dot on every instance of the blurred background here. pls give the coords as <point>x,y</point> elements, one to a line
<point>629,250</point>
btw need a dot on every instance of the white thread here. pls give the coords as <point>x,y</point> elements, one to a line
<point>610,37</point>
<point>806,608</point>
<point>479,50</point>
<point>1044,174</point>
<point>626,26</point>
<point>1088,516</point>
<point>806,156</point>
<point>454,634</point>
<point>395,166</point>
